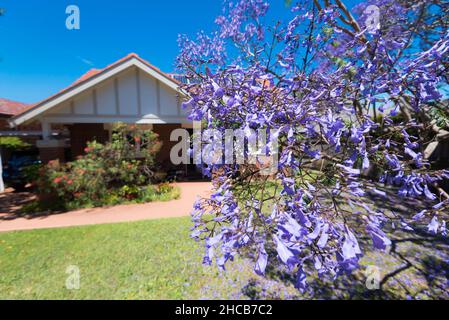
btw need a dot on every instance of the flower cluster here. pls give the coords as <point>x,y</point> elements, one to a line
<point>349,110</point>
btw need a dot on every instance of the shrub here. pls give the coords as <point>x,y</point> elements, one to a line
<point>107,174</point>
<point>13,143</point>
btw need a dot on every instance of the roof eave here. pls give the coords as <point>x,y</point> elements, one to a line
<point>31,114</point>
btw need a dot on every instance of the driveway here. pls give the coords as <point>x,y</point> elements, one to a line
<point>121,213</point>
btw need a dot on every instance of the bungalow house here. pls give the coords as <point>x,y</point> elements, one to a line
<point>130,90</point>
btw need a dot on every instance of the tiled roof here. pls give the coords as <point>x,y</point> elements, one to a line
<point>92,72</point>
<point>10,107</point>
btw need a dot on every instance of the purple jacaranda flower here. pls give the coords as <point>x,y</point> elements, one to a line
<point>411,153</point>
<point>211,242</point>
<point>188,104</point>
<point>210,253</point>
<point>380,240</point>
<point>316,232</point>
<point>301,280</point>
<point>417,157</point>
<point>219,92</point>
<point>322,241</point>
<point>286,256</point>
<point>429,195</point>
<point>291,226</point>
<point>349,170</point>
<point>405,226</point>
<point>379,192</point>
<point>262,260</point>
<point>350,248</point>
<point>393,162</point>
<point>440,205</point>
<point>196,233</point>
<point>355,189</point>
<point>302,218</point>
<point>289,186</point>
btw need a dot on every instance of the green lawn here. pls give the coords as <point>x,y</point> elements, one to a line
<point>158,260</point>
<point>150,259</point>
<point>140,260</point>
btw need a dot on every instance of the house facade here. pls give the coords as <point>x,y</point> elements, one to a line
<point>130,90</point>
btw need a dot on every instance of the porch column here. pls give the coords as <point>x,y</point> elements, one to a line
<point>46,130</point>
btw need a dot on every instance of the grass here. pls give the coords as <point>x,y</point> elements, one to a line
<point>151,260</point>
<point>140,260</point>
<point>157,260</point>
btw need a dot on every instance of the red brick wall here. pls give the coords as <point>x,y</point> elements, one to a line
<point>81,133</point>
<point>34,126</point>
<point>164,131</point>
<point>4,126</point>
<point>48,154</point>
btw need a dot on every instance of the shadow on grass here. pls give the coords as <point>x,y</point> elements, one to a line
<point>416,266</point>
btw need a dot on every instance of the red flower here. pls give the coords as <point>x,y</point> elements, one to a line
<point>137,139</point>
<point>70,181</point>
<point>57,180</point>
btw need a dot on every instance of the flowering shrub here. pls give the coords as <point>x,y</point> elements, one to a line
<point>341,96</point>
<point>116,171</point>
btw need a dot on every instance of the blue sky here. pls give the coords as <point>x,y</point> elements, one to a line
<point>39,55</point>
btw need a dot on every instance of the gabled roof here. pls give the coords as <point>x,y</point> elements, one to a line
<point>88,80</point>
<point>11,108</point>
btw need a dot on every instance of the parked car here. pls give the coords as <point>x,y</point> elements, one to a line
<point>14,172</point>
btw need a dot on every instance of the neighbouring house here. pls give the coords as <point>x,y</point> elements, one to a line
<point>130,90</point>
<point>29,133</point>
<point>9,109</point>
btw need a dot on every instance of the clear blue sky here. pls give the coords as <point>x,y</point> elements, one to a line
<point>39,56</point>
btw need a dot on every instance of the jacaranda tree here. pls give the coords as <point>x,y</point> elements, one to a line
<point>348,96</point>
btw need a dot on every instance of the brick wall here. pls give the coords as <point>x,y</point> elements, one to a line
<point>164,131</point>
<point>81,133</point>
<point>48,154</point>
<point>33,126</point>
<point>4,124</point>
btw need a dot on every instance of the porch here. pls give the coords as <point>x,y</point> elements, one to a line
<point>69,141</point>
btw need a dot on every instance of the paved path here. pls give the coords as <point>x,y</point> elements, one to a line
<point>120,213</point>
